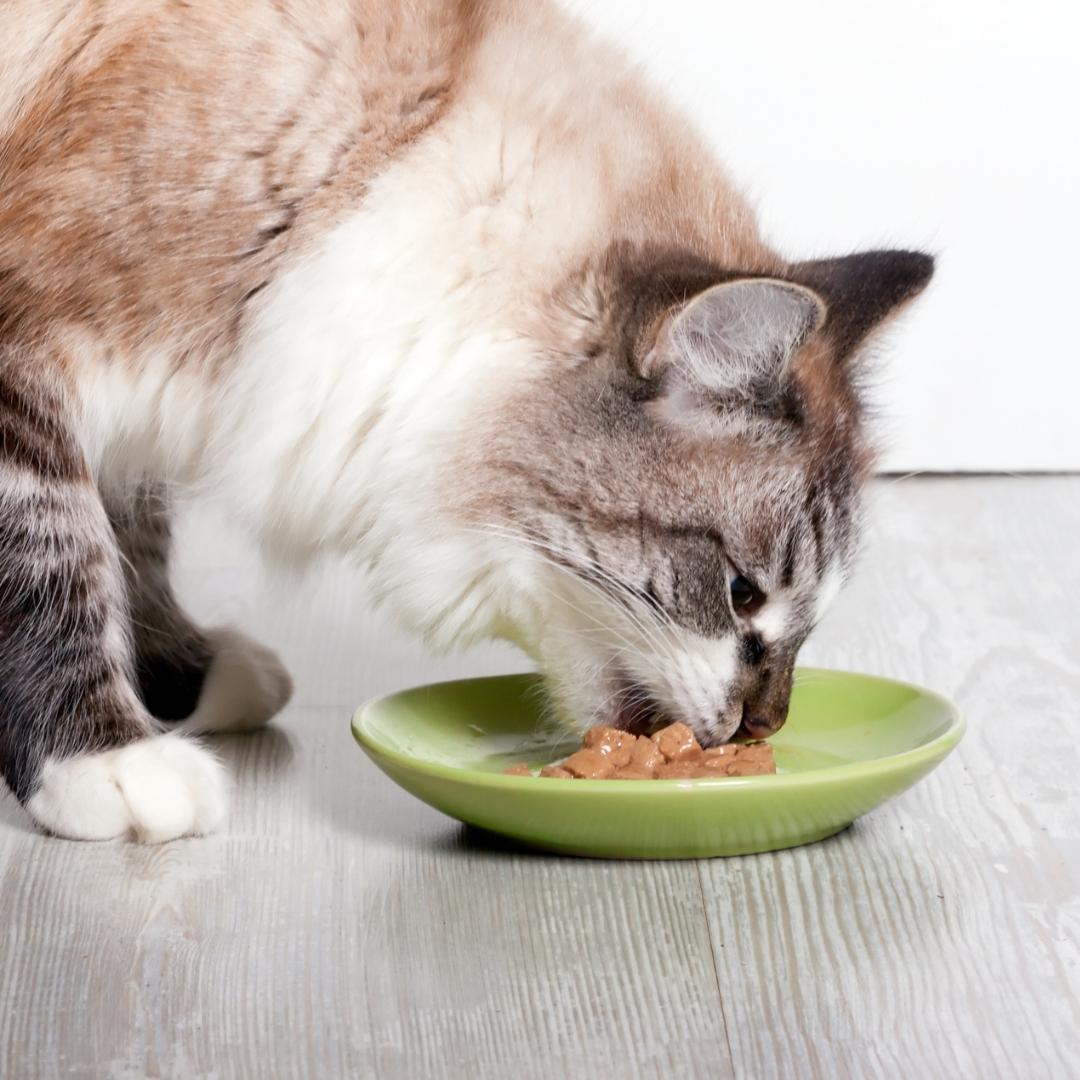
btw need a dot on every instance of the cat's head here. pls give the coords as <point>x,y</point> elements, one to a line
<point>674,500</point>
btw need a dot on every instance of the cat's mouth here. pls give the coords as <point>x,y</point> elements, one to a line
<point>632,708</point>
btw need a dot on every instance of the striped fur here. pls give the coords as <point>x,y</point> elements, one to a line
<point>66,665</point>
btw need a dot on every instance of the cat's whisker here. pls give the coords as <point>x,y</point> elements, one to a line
<point>605,625</point>
<point>652,634</point>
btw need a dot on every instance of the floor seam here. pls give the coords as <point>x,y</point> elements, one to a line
<point>715,966</point>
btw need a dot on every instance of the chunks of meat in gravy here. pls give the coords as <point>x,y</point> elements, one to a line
<point>669,754</point>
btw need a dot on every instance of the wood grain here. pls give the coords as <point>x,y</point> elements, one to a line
<point>339,928</point>
<point>941,935</point>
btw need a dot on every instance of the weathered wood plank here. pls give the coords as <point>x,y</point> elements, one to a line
<point>940,936</point>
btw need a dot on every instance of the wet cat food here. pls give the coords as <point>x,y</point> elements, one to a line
<point>673,753</point>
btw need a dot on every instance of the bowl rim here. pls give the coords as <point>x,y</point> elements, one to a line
<point>931,751</point>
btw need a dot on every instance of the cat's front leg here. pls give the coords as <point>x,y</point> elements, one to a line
<point>208,680</point>
<point>77,746</point>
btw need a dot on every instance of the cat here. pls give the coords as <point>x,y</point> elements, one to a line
<point>444,287</point>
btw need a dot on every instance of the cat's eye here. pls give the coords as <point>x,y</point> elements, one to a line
<point>746,597</point>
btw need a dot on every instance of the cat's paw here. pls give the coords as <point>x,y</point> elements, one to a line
<point>154,789</point>
<point>245,686</point>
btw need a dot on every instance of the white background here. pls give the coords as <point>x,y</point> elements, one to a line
<point>952,125</point>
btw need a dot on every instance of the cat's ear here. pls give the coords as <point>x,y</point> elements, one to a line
<point>729,346</point>
<point>862,291</point>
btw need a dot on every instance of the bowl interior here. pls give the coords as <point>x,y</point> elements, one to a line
<point>483,725</point>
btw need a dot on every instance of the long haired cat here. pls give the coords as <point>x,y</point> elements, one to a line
<point>441,285</point>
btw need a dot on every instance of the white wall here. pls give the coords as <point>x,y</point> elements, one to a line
<point>952,125</point>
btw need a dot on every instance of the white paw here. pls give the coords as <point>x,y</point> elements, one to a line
<point>245,686</point>
<point>156,789</point>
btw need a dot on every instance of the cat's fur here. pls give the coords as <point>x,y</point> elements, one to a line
<point>440,285</point>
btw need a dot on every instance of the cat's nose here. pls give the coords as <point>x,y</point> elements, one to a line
<point>766,708</point>
<point>756,723</point>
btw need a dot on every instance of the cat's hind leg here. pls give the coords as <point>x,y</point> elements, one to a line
<point>77,746</point>
<point>211,680</point>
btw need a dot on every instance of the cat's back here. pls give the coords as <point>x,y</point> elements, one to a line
<point>161,161</point>
<point>159,158</point>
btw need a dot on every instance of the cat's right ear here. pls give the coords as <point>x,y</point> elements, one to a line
<point>863,291</point>
<point>727,349</point>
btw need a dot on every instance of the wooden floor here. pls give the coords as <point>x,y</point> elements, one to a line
<point>338,928</point>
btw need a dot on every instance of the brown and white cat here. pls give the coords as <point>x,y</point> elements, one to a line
<point>440,285</point>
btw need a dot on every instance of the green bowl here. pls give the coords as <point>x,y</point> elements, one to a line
<point>850,743</point>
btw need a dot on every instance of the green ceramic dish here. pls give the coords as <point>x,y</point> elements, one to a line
<point>850,743</point>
